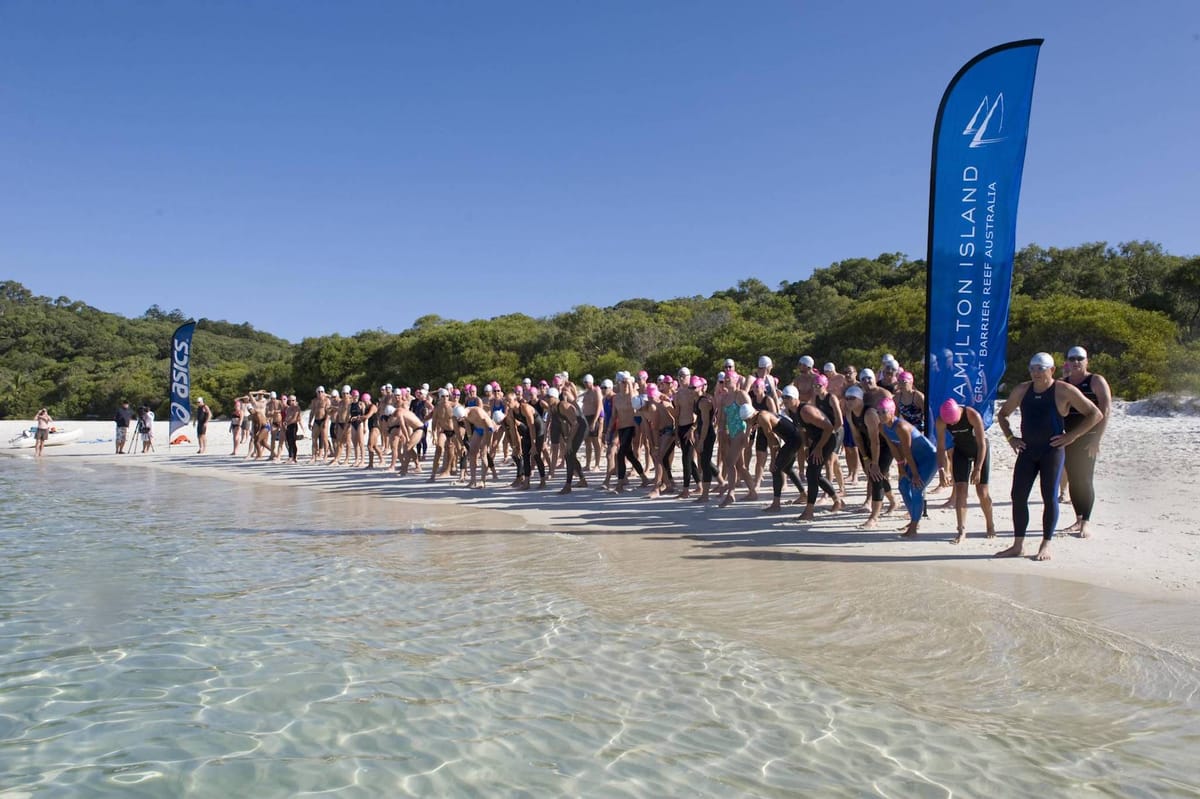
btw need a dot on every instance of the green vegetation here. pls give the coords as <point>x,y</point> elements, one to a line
<point>1135,307</point>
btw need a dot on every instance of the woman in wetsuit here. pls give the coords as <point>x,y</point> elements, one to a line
<point>821,418</point>
<point>970,460</point>
<point>873,453</point>
<point>915,455</point>
<point>783,439</point>
<point>1044,402</point>
<point>1081,455</point>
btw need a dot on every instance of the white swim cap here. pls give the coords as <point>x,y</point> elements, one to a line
<point>791,391</point>
<point>345,389</point>
<point>1077,352</point>
<point>274,395</point>
<point>552,392</point>
<point>829,367</point>
<point>684,372</point>
<point>459,411</point>
<point>728,362</point>
<point>1042,359</point>
<point>764,362</point>
<point>497,416</point>
<point>424,386</point>
<point>638,402</point>
<point>320,389</point>
<point>854,392</point>
<point>333,393</point>
<point>390,409</point>
<point>200,400</point>
<point>745,410</point>
<point>588,380</point>
<point>806,360</point>
<point>606,383</point>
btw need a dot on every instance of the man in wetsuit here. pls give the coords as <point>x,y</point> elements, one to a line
<point>1044,402</point>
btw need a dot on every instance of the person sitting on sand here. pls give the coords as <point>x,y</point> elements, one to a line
<point>970,460</point>
<point>1044,402</point>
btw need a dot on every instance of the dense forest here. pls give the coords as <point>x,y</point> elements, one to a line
<point>1135,307</point>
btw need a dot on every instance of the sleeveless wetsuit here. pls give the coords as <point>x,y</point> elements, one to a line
<point>1081,466</point>
<point>966,451</point>
<point>924,455</point>
<point>1038,461</point>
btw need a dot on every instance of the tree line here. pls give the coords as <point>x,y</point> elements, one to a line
<point>1135,308</point>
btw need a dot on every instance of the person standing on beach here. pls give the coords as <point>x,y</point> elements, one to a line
<point>593,414</point>
<point>318,419</point>
<point>624,409</point>
<point>42,420</point>
<point>970,461</point>
<point>146,422</point>
<point>124,416</point>
<point>1081,454</point>
<point>1044,402</point>
<point>916,457</point>
<point>203,416</point>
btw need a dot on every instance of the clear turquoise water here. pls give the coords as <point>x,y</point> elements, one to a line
<point>241,640</point>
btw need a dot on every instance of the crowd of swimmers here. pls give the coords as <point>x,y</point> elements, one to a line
<point>724,437</point>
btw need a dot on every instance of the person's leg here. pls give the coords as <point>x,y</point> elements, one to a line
<point>1049,473</point>
<point>1025,472</point>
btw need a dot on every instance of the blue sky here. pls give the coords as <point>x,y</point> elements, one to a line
<point>320,167</point>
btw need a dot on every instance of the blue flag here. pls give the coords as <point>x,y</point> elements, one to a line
<point>181,381</point>
<point>978,154</point>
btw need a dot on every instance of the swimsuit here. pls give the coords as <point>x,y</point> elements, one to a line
<point>734,423</point>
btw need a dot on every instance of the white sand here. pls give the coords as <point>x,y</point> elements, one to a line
<point>1144,543</point>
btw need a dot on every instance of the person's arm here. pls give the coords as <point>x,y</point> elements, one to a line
<point>1104,403</point>
<point>872,420</point>
<point>981,443</point>
<point>939,430</point>
<point>904,432</point>
<point>1011,404</point>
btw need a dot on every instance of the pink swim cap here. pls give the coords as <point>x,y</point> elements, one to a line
<point>643,374</point>
<point>950,411</point>
<point>696,381</point>
<point>354,393</point>
<point>905,376</point>
<point>470,388</point>
<point>821,380</point>
<point>366,397</point>
<point>557,380</point>
<point>887,405</point>
<point>651,390</point>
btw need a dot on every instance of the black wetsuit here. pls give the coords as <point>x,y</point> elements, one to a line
<point>815,472</point>
<point>785,459</point>
<point>882,453</point>
<point>965,452</point>
<point>1081,466</point>
<point>1037,461</point>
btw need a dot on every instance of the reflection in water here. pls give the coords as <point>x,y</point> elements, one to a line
<point>293,641</point>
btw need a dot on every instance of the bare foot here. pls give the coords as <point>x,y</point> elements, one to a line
<point>910,531</point>
<point>991,532</point>
<point>684,494</point>
<point>962,536</point>
<point>564,490</point>
<point>703,498</point>
<point>807,516</point>
<point>839,504</point>
<point>1015,551</point>
<point>870,524</point>
<point>774,507</point>
<point>1043,551</point>
<point>727,501</point>
<point>891,506</point>
<point>653,494</point>
<point>1085,530</point>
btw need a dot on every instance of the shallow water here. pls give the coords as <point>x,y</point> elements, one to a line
<point>266,641</point>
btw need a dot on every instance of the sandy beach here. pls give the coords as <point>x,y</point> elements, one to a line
<point>1145,541</point>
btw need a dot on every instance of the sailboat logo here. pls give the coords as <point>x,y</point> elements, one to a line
<point>987,121</point>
